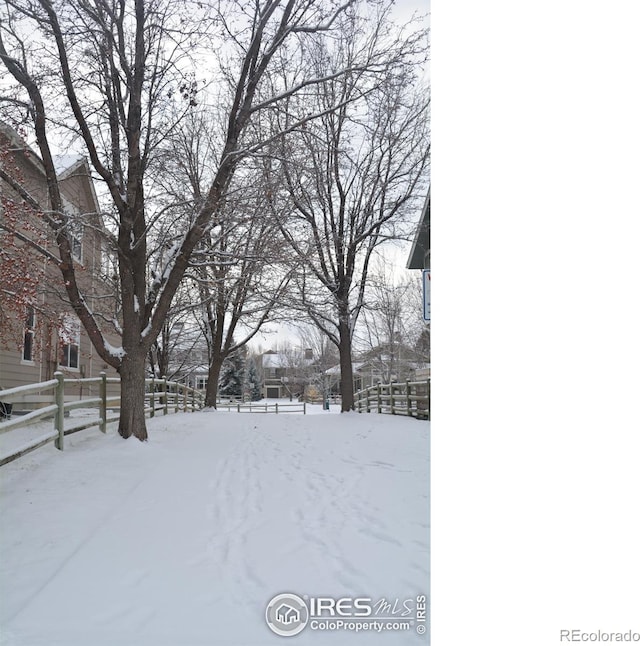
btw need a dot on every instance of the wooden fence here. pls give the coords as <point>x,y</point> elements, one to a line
<point>411,398</point>
<point>162,395</point>
<point>266,407</point>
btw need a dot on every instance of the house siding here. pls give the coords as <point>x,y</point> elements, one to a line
<point>51,299</point>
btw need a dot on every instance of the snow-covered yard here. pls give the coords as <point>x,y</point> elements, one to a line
<point>185,539</point>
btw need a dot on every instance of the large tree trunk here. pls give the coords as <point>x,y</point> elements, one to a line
<point>346,367</point>
<point>132,376</point>
<point>211,396</point>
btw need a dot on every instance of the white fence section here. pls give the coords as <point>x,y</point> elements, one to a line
<point>162,395</point>
<point>411,398</point>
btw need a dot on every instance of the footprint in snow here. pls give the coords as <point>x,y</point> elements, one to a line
<point>372,533</point>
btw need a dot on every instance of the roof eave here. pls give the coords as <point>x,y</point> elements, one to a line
<point>420,254</point>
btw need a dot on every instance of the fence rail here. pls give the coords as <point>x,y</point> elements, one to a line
<point>412,398</point>
<point>161,395</point>
<point>269,407</point>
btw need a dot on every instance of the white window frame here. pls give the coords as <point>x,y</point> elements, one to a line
<point>201,383</point>
<point>69,338</point>
<point>108,261</point>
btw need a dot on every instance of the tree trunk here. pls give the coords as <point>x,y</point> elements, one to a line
<point>211,396</point>
<point>346,367</point>
<point>132,375</point>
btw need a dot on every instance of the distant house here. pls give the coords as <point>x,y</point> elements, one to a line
<point>196,376</point>
<point>389,362</point>
<point>186,356</point>
<point>285,374</point>
<point>383,364</point>
<point>43,334</point>
<point>190,363</point>
<point>332,379</point>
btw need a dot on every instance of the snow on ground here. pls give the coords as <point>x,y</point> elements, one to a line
<point>16,439</point>
<point>183,540</point>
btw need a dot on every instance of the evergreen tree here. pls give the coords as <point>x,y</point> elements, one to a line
<point>232,376</point>
<point>253,384</point>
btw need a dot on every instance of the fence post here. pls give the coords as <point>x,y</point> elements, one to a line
<point>304,408</point>
<point>276,408</point>
<point>408,399</point>
<point>391,389</point>
<point>59,418</point>
<point>428,399</point>
<point>103,401</point>
<point>165,410</point>
<point>176,402</point>
<point>368,393</point>
<point>152,398</point>
<point>379,397</point>
<point>185,395</point>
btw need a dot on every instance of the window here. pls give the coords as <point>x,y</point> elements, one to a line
<point>29,334</point>
<point>70,343</point>
<point>75,229</point>
<point>75,239</point>
<point>201,383</point>
<point>108,262</point>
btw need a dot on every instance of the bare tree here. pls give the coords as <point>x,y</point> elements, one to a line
<point>115,73</point>
<point>312,338</point>
<point>324,355</point>
<point>350,177</point>
<point>240,270</point>
<point>242,276</point>
<point>175,349</point>
<point>390,324</point>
